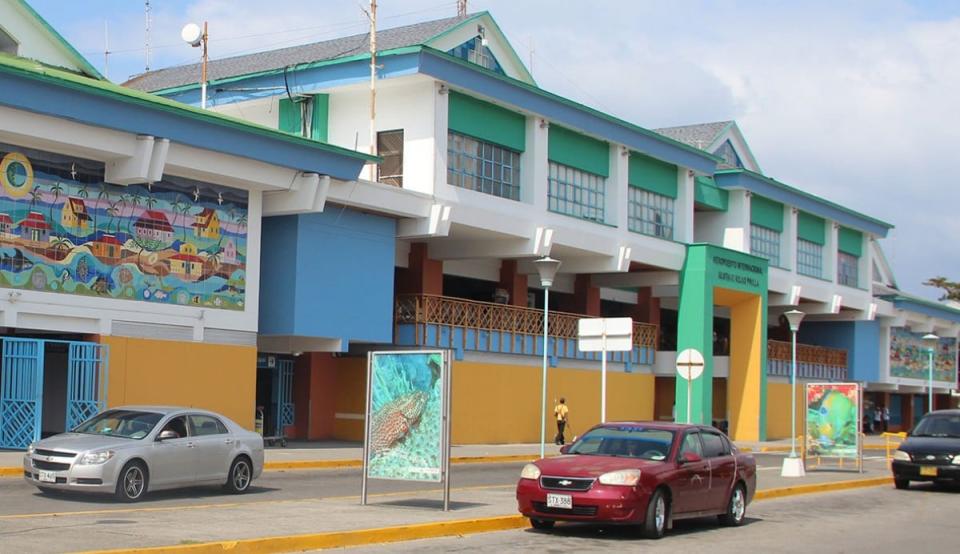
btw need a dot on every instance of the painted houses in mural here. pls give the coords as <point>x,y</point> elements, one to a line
<point>207,224</point>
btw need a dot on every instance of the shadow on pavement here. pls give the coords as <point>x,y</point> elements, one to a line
<point>631,532</point>
<point>211,492</point>
<point>429,503</point>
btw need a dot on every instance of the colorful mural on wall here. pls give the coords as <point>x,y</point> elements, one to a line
<point>910,359</point>
<point>63,229</point>
<point>833,420</point>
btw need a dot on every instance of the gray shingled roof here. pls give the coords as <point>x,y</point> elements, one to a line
<point>700,135</point>
<point>387,39</point>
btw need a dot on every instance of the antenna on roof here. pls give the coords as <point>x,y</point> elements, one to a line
<point>372,16</point>
<point>461,8</point>
<point>106,49</point>
<point>146,35</point>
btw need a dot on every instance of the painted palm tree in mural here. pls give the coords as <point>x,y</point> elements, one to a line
<point>35,197</point>
<point>61,247</point>
<point>56,189</point>
<point>113,210</point>
<point>102,197</point>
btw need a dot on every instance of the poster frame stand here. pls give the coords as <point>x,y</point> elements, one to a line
<point>805,444</point>
<point>445,387</point>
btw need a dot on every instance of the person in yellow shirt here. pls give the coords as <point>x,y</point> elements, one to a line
<point>560,411</point>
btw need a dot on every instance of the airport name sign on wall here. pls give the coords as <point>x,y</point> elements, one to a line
<point>744,274</point>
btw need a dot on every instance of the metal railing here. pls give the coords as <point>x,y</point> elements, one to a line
<point>489,316</point>
<point>808,354</point>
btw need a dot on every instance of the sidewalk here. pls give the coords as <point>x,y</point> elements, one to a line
<point>317,455</point>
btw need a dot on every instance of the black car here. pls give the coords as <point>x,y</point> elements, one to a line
<point>931,452</point>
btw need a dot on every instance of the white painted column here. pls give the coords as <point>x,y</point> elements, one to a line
<point>616,198</point>
<point>683,206</point>
<point>788,239</point>
<point>830,252</point>
<point>736,230</point>
<point>440,127</point>
<point>865,268</point>
<point>534,170</point>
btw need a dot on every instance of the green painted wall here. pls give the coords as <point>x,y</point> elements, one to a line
<point>708,194</point>
<point>580,151</point>
<point>766,213</point>
<point>290,117</point>
<point>653,175</point>
<point>850,241</point>
<point>705,268</point>
<point>321,117</point>
<point>811,228</point>
<point>487,122</point>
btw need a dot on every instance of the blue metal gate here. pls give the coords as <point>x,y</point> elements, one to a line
<point>21,392</point>
<point>86,381</point>
<point>283,395</point>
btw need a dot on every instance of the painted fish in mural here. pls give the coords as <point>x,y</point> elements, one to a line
<point>17,262</point>
<point>395,420</point>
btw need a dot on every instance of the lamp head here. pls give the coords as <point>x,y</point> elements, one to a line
<point>547,268</point>
<point>794,317</point>
<point>930,341</point>
<point>192,34</point>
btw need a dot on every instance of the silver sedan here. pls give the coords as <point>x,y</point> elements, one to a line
<point>129,451</point>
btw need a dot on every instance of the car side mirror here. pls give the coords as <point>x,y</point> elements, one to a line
<point>689,458</point>
<point>565,449</point>
<point>166,435</point>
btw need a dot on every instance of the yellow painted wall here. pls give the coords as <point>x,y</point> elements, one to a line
<point>501,403</point>
<point>215,377</point>
<point>778,410</point>
<point>351,398</point>
<point>746,368</point>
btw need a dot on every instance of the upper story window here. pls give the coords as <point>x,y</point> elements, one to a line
<point>848,269</point>
<point>650,213</point>
<point>809,258</point>
<point>575,192</point>
<point>8,45</point>
<point>765,243</point>
<point>475,52</point>
<point>729,155</point>
<point>482,166</point>
<point>390,148</point>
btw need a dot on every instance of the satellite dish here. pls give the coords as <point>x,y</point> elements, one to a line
<point>191,34</point>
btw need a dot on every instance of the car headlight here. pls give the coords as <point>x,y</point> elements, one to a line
<point>624,477</point>
<point>31,448</point>
<point>530,471</point>
<point>96,458</point>
<point>956,460</point>
<point>901,456</point>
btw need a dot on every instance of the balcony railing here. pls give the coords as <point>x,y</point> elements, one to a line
<point>489,327</point>
<point>813,362</point>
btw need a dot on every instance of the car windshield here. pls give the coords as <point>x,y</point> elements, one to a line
<point>938,426</point>
<point>627,441</point>
<point>126,424</point>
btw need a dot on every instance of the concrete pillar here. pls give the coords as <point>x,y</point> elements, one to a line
<point>830,252</point>
<point>440,125</point>
<point>422,275</point>
<point>616,199</point>
<point>683,206</point>
<point>736,232</point>
<point>534,168</point>
<point>513,282</point>
<point>788,240</point>
<point>586,297</point>
<point>647,309</point>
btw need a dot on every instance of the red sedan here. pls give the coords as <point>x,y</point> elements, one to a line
<point>645,474</point>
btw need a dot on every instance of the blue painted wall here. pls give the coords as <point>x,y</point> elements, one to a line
<point>861,339</point>
<point>328,274</point>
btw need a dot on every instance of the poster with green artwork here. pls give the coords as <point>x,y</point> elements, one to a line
<point>407,402</point>
<point>833,420</point>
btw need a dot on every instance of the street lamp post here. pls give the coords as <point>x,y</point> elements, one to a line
<point>931,341</point>
<point>547,268</point>
<point>793,465</point>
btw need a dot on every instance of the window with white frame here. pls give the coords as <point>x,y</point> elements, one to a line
<point>576,193</point>
<point>475,52</point>
<point>765,243</point>
<point>482,166</point>
<point>650,213</point>
<point>809,258</point>
<point>848,269</point>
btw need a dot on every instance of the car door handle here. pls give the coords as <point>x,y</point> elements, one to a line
<point>228,441</point>
<point>191,445</point>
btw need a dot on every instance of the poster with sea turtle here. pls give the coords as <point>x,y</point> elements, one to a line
<point>833,420</point>
<point>406,402</point>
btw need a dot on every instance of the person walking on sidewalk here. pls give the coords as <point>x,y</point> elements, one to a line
<point>561,411</point>
<point>886,419</point>
<point>878,418</point>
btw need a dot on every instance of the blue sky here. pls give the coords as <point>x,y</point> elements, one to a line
<point>854,101</point>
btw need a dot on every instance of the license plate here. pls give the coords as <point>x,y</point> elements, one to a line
<point>928,471</point>
<point>47,477</point>
<point>564,501</point>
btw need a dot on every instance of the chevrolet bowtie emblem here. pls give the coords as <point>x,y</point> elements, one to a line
<point>931,457</point>
<point>565,483</point>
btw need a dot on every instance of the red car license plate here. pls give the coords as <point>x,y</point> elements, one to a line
<point>564,501</point>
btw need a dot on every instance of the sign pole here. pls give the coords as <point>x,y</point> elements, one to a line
<point>366,432</point>
<point>447,378</point>
<point>603,378</point>
<point>690,364</point>
<point>689,401</point>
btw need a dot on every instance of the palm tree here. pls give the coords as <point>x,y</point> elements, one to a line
<point>82,193</point>
<point>113,210</point>
<point>56,189</point>
<point>35,196</point>
<point>103,195</point>
<point>150,202</point>
<point>60,244</point>
<point>242,221</point>
<point>181,207</point>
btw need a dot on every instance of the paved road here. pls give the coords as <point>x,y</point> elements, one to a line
<point>876,520</point>
<point>21,499</point>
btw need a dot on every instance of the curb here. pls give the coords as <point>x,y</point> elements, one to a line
<point>383,535</point>
<point>11,471</point>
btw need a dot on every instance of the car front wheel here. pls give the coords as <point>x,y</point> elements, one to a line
<point>655,522</point>
<point>241,474</point>
<point>901,483</point>
<point>132,484</point>
<point>541,524</point>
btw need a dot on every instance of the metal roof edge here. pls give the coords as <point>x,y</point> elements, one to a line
<point>85,65</point>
